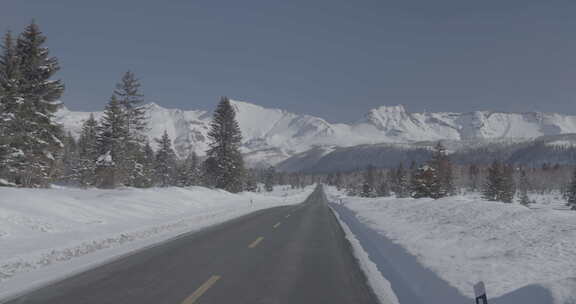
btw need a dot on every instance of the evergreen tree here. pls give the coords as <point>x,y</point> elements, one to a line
<point>383,189</point>
<point>508,190</point>
<point>70,159</point>
<point>494,182</point>
<point>399,180</point>
<point>474,173</point>
<point>269,179</point>
<point>88,152</point>
<point>499,183</point>
<point>524,187</point>
<point>571,192</point>
<point>424,182</point>
<point>369,182</point>
<point>443,168</point>
<point>112,133</point>
<point>251,181</point>
<point>10,100</point>
<point>128,94</point>
<point>148,163</point>
<point>165,162</point>
<point>224,163</point>
<point>31,141</point>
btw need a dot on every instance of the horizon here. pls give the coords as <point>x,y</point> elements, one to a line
<point>328,59</point>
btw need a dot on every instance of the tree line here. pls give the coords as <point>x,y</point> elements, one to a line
<point>111,151</point>
<point>440,177</point>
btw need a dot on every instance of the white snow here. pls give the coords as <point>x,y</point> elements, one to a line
<point>46,234</point>
<point>510,247</point>
<point>377,282</point>
<point>273,135</point>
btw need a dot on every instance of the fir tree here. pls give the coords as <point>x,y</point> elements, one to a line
<point>128,94</point>
<point>10,100</point>
<point>399,181</point>
<point>424,182</point>
<point>165,170</point>
<point>571,192</point>
<point>32,141</point>
<point>88,152</point>
<point>224,163</point>
<point>148,163</point>
<point>443,168</point>
<point>494,182</point>
<point>112,133</point>
<point>269,179</point>
<point>70,159</point>
<point>369,182</point>
<point>524,187</point>
<point>251,181</point>
<point>499,183</point>
<point>130,99</point>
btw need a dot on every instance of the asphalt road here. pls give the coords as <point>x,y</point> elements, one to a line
<point>294,255</point>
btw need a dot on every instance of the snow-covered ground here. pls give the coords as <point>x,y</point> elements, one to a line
<point>47,234</point>
<point>523,255</point>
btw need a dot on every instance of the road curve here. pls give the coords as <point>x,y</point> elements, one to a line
<point>292,254</point>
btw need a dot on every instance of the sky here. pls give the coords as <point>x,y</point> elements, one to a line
<point>334,59</point>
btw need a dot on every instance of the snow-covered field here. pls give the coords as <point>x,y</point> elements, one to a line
<point>46,234</point>
<point>523,255</point>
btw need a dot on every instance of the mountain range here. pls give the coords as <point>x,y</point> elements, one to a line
<point>277,137</point>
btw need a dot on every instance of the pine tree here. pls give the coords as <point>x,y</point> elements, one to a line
<point>269,179</point>
<point>165,171</point>
<point>369,182</point>
<point>224,163</point>
<point>128,94</point>
<point>474,173</point>
<point>494,182</point>
<point>508,190</point>
<point>111,166</point>
<point>399,181</point>
<point>500,184</point>
<point>424,182</point>
<point>443,168</point>
<point>148,162</point>
<point>130,99</point>
<point>571,192</point>
<point>88,152</point>
<point>70,160</point>
<point>10,100</point>
<point>251,181</point>
<point>524,187</point>
<point>33,144</point>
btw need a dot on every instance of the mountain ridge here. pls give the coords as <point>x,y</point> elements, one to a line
<point>272,135</point>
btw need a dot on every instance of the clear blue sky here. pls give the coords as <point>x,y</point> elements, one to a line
<point>334,59</point>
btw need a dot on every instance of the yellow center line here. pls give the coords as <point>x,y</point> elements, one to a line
<point>256,242</point>
<point>201,290</point>
<point>276,225</point>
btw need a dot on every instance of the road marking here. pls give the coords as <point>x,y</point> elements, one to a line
<point>256,242</point>
<point>201,290</point>
<point>276,225</point>
<point>287,216</point>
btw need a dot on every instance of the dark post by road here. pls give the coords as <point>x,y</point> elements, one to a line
<point>480,292</point>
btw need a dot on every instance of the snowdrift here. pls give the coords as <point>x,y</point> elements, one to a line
<point>521,254</point>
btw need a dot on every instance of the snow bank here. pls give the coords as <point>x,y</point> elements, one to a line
<point>46,234</point>
<point>378,283</point>
<point>519,253</point>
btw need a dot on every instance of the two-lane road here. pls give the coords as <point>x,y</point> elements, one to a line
<point>293,255</point>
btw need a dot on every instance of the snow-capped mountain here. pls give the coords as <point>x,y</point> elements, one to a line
<point>273,135</point>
